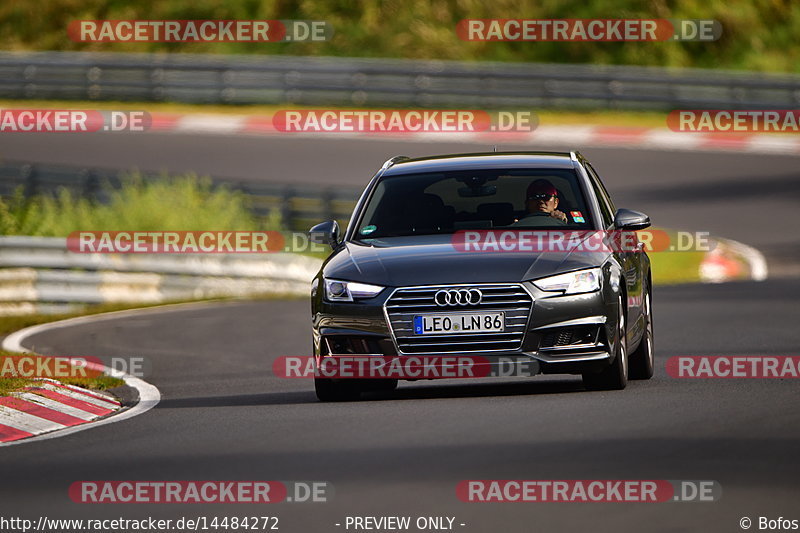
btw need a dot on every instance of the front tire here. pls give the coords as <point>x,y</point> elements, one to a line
<point>614,377</point>
<point>642,361</point>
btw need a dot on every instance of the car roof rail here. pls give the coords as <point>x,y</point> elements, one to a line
<point>575,155</point>
<point>393,160</point>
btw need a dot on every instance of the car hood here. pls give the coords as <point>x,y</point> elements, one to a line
<point>433,259</point>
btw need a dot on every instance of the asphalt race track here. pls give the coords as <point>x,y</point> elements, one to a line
<point>225,416</point>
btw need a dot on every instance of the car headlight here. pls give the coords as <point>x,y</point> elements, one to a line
<point>572,282</point>
<point>347,291</point>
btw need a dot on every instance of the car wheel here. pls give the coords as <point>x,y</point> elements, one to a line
<point>329,390</point>
<point>614,377</point>
<point>642,361</point>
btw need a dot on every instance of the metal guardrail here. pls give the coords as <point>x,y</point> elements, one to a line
<point>381,82</point>
<point>300,206</point>
<point>36,270</point>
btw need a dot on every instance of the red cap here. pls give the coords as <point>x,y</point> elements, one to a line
<point>541,187</point>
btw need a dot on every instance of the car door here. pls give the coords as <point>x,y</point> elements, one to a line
<point>631,260</point>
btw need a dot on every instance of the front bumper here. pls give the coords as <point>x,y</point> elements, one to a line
<point>564,334</point>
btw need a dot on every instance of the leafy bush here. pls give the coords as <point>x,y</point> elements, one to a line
<point>757,34</point>
<point>185,203</point>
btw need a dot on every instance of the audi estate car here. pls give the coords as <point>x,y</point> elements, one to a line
<point>404,281</point>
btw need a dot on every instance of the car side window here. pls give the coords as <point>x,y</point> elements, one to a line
<point>605,191</point>
<point>606,207</point>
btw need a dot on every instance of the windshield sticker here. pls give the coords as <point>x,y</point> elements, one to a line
<point>366,230</point>
<point>577,216</point>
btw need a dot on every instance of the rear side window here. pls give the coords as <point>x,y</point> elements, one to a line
<point>606,206</point>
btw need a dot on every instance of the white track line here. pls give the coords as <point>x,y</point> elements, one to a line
<point>149,395</point>
<point>755,259</point>
<point>201,123</point>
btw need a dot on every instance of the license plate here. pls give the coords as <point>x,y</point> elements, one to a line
<point>459,323</point>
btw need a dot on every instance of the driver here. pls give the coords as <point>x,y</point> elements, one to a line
<point>541,201</point>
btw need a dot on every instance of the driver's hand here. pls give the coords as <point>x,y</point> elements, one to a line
<point>560,215</point>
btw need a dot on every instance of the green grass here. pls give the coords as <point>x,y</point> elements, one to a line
<point>103,382</point>
<point>10,385</point>
<point>670,267</point>
<point>632,119</point>
<point>12,323</point>
<point>675,267</point>
<point>183,203</point>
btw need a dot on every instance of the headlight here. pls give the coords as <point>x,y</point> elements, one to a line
<point>347,291</point>
<point>571,282</point>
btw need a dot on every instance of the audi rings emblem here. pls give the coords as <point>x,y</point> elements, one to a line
<point>446,297</point>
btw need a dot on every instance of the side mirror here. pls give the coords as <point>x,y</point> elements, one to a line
<point>325,233</point>
<point>628,219</point>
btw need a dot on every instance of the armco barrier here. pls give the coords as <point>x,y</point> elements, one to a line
<point>35,270</point>
<point>262,79</point>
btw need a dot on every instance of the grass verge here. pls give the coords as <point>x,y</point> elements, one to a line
<point>625,119</point>
<point>172,203</point>
<point>10,324</point>
<point>99,383</point>
<point>669,268</point>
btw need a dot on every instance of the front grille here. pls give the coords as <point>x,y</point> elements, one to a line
<point>512,299</point>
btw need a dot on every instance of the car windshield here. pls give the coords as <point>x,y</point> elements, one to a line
<point>447,202</point>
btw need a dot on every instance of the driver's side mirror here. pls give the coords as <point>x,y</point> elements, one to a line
<point>628,219</point>
<point>325,233</point>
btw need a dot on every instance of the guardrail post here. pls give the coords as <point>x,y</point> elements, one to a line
<point>327,204</point>
<point>91,184</point>
<point>28,175</point>
<point>287,213</point>
<point>224,95</point>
